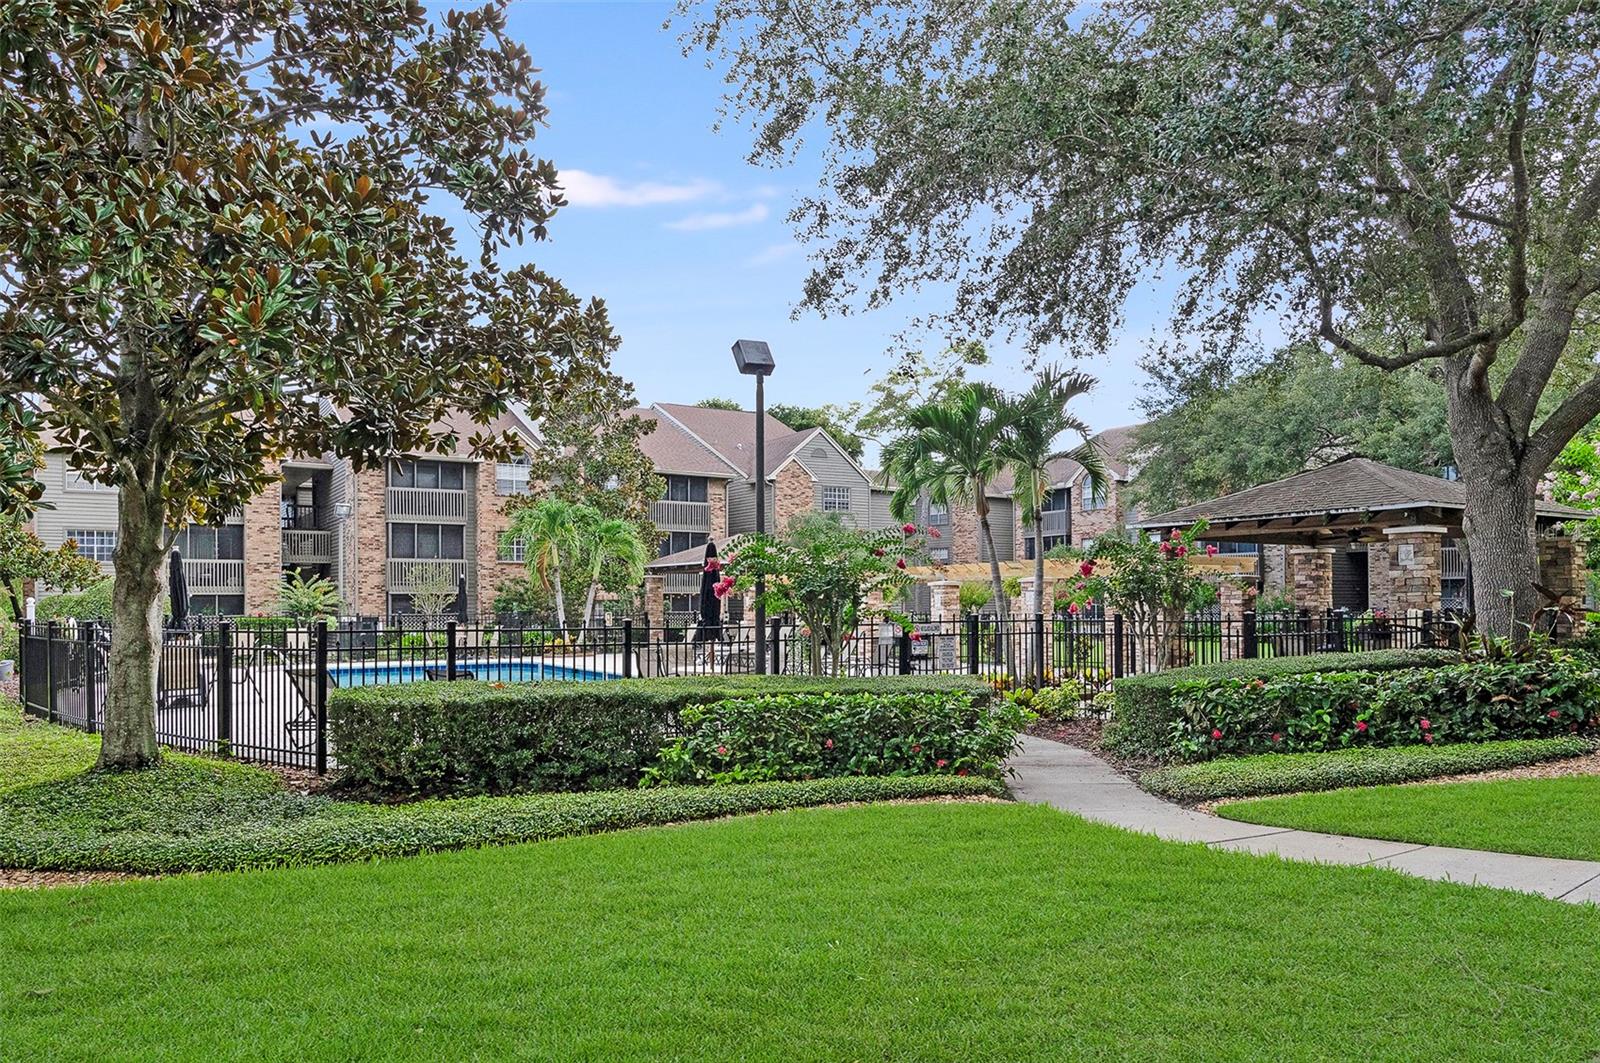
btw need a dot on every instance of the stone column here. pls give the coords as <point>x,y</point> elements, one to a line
<point>1234,598</point>
<point>1308,577</point>
<point>263,551</point>
<point>655,601</point>
<point>369,582</point>
<point>1028,600</point>
<point>944,599</point>
<point>1415,560</point>
<point>1378,579</point>
<point>1562,572</point>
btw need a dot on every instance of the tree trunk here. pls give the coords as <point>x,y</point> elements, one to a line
<point>129,739</point>
<point>1502,548</point>
<point>1001,608</point>
<point>561,600</point>
<point>1038,560</point>
<point>588,604</point>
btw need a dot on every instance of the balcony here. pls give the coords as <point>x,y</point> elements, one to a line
<point>681,516</point>
<point>681,583</point>
<point>427,503</point>
<point>409,575</point>
<point>1054,521</point>
<point>214,577</point>
<point>303,547</point>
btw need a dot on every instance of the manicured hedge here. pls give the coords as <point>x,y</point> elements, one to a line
<point>476,737</point>
<point>1541,696</point>
<point>1282,773</point>
<point>814,735</point>
<point>1143,713</point>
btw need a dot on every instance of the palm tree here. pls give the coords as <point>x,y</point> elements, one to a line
<point>611,539</point>
<point>950,451</point>
<point>1035,421</point>
<point>549,531</point>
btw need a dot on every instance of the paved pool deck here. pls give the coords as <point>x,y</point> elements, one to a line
<point>1075,780</point>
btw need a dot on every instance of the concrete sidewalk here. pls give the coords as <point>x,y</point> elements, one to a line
<point>1077,781</point>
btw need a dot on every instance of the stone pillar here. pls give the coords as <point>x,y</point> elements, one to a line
<point>369,582</point>
<point>263,551</point>
<point>1308,577</point>
<point>1415,561</point>
<point>1234,598</point>
<point>655,601</point>
<point>944,599</point>
<point>1028,599</point>
<point>1563,573</point>
<point>1378,580</point>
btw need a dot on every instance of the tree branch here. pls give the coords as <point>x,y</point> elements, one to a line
<point>1580,407</point>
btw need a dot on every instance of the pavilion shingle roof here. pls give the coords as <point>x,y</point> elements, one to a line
<point>1353,485</point>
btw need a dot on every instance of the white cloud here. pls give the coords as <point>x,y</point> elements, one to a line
<point>773,253</point>
<point>756,212</point>
<point>584,189</point>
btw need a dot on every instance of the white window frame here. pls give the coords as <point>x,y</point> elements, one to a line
<point>1095,498</point>
<point>511,477</point>
<point>73,480</point>
<point>831,495</point>
<point>516,550</point>
<point>92,542</point>
<point>938,513</point>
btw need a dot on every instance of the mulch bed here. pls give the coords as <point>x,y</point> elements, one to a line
<point>18,879</point>
<point>1080,731</point>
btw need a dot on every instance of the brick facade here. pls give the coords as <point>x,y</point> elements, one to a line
<point>1309,577</point>
<point>1095,523</point>
<point>1413,560</point>
<point>717,507</point>
<point>1378,578</point>
<point>795,493</point>
<point>655,601</point>
<point>1562,571</point>
<point>962,534</point>
<point>367,585</point>
<point>263,551</point>
<point>492,522</point>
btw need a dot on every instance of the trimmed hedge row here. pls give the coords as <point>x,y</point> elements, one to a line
<point>486,738</point>
<point>1282,773</point>
<point>193,814</point>
<point>1143,713</point>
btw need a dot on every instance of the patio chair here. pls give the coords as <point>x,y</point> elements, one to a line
<point>183,681</point>
<point>444,673</point>
<point>301,689</point>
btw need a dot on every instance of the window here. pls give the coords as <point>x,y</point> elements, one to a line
<point>216,604</point>
<point>1056,500</point>
<point>672,542</point>
<point>940,554</point>
<point>436,475</point>
<point>224,542</point>
<point>511,477</point>
<point>1050,543</point>
<point>836,499</point>
<point>76,482</point>
<point>1234,548</point>
<point>686,489</point>
<point>93,543</point>
<point>684,608</point>
<point>1095,498</point>
<point>938,513</point>
<point>516,550</point>
<point>426,542</point>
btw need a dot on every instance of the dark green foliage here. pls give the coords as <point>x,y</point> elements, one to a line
<point>1282,773</point>
<point>92,603</point>
<point>1535,697</point>
<point>463,738</point>
<point>1141,724</point>
<point>809,735</point>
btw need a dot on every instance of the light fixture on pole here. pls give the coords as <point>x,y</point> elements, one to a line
<point>754,358</point>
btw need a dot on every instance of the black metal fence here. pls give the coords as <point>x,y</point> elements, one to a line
<point>257,689</point>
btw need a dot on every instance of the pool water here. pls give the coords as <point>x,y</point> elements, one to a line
<point>370,675</point>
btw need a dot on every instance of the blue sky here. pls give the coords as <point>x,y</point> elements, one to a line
<point>686,242</point>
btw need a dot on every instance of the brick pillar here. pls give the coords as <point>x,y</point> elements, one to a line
<point>369,582</point>
<point>1028,600</point>
<point>1378,579</point>
<point>263,551</point>
<point>1308,577</point>
<point>1415,560</point>
<point>944,599</point>
<point>1562,571</point>
<point>717,507</point>
<point>655,600</point>
<point>1234,597</point>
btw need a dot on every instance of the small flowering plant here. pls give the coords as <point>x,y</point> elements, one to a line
<point>826,574</point>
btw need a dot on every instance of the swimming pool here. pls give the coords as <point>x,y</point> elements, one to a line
<point>370,675</point>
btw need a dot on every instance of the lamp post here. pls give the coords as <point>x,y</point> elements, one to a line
<point>754,358</point>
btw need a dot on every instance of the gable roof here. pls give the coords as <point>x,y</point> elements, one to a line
<point>671,449</point>
<point>730,434</point>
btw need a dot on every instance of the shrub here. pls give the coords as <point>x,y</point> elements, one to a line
<point>1143,714</point>
<point>818,735</point>
<point>92,603</point>
<point>478,737</point>
<point>1474,701</point>
<point>1282,773</point>
<point>263,630</point>
<point>1050,702</point>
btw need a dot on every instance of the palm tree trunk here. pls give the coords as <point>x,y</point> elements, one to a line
<point>561,599</point>
<point>588,601</point>
<point>1001,607</point>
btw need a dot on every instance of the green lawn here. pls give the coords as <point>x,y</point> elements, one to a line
<point>1541,817</point>
<point>965,931</point>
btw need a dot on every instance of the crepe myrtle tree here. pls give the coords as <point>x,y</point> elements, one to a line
<point>197,278</point>
<point>827,575</point>
<point>1412,184</point>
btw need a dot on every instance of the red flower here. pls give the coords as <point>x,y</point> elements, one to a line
<point>933,533</point>
<point>1183,551</point>
<point>713,565</point>
<point>1086,568</point>
<point>828,744</point>
<point>1428,737</point>
<point>1276,737</point>
<point>961,771</point>
<point>1216,735</point>
<point>722,751</point>
<point>1072,607</point>
<point>1554,714</point>
<point>1166,548</point>
<point>916,636</point>
<point>916,749</point>
<point>1211,549</point>
<point>940,763</point>
<point>1176,534</point>
<point>1361,726</point>
<point>909,529</point>
<point>901,563</point>
<point>1424,724</point>
<point>877,553</point>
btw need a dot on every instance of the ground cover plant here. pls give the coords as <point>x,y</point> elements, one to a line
<point>978,931</point>
<point>1282,773</point>
<point>1539,817</point>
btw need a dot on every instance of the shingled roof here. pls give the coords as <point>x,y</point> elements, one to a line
<point>1352,495</point>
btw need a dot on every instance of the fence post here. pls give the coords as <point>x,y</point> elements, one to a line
<point>1252,647</point>
<point>972,643</point>
<point>450,649</point>
<point>224,686</point>
<point>627,647</point>
<point>50,671</point>
<point>1038,650</point>
<point>1118,636</point>
<point>1427,627</point>
<point>1341,640</point>
<point>87,633</point>
<point>322,697</point>
<point>777,647</point>
<point>905,651</point>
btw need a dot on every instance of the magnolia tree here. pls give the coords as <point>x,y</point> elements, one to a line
<point>25,559</point>
<point>827,575</point>
<point>1150,582</point>
<point>217,250</point>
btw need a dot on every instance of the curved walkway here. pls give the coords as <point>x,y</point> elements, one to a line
<point>1075,780</point>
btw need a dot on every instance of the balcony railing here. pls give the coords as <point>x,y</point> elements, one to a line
<point>1054,521</point>
<point>681,516</point>
<point>682,583</point>
<point>302,518</point>
<point>307,547</point>
<point>427,502</point>
<point>214,577</point>
<point>409,575</point>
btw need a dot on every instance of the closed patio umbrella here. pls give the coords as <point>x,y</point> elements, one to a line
<point>461,598</point>
<point>710,629</point>
<point>178,590</point>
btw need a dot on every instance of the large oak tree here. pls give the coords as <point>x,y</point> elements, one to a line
<point>1413,183</point>
<point>216,250</point>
